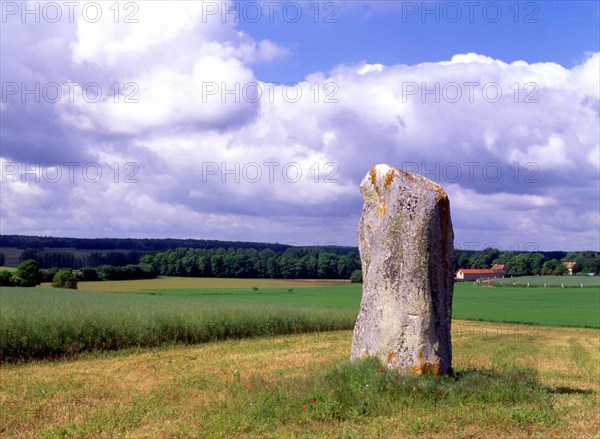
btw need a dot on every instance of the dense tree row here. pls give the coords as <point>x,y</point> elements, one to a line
<point>294,263</point>
<point>75,259</point>
<point>143,258</point>
<point>144,245</point>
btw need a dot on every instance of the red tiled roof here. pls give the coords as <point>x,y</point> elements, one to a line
<point>477,271</point>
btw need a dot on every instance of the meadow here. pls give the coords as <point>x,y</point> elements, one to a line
<point>551,281</point>
<point>506,384</point>
<point>39,323</point>
<point>180,357</point>
<point>542,306</point>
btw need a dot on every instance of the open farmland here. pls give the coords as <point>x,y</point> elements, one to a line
<point>543,306</point>
<point>172,283</point>
<point>48,323</point>
<point>551,281</point>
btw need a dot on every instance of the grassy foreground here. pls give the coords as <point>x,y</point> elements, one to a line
<point>508,384</point>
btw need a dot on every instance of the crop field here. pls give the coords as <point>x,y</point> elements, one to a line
<point>506,384</point>
<point>551,281</point>
<point>544,306</point>
<point>162,283</point>
<point>46,322</point>
<point>38,323</point>
<point>11,269</point>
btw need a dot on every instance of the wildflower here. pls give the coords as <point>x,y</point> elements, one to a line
<point>287,389</point>
<point>305,407</point>
<point>438,394</point>
<point>382,370</point>
<point>314,401</point>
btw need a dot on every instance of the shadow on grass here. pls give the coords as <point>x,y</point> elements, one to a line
<point>561,390</point>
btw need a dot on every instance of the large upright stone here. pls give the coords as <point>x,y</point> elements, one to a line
<point>405,239</point>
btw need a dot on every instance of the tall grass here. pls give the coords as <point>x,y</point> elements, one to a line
<point>38,323</point>
<point>48,323</point>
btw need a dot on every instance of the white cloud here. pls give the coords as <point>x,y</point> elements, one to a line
<point>344,121</point>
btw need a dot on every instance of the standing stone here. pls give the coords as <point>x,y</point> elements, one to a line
<point>405,239</point>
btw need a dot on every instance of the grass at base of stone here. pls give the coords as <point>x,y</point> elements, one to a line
<point>362,392</point>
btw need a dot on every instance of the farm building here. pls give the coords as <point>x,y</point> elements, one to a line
<point>477,273</point>
<point>570,266</point>
<point>499,269</point>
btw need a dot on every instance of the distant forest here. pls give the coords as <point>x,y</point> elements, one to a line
<point>116,258</point>
<point>142,245</point>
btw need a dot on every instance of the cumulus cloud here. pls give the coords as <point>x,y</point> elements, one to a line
<point>211,151</point>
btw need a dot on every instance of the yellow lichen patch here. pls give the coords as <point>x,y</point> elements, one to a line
<point>389,178</point>
<point>441,193</point>
<point>408,175</point>
<point>382,208</point>
<point>423,368</point>
<point>373,178</point>
<point>391,357</point>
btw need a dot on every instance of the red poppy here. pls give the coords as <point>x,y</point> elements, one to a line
<point>438,394</point>
<point>305,407</point>
<point>382,370</point>
<point>314,401</point>
<point>287,389</point>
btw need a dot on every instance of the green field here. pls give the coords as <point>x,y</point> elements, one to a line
<point>48,323</point>
<point>11,269</point>
<point>303,386</point>
<point>187,361</point>
<point>544,306</point>
<point>551,281</point>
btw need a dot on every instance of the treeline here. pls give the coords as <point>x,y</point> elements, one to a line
<point>29,274</point>
<point>293,263</point>
<point>142,245</point>
<point>78,259</point>
<point>529,263</point>
<point>115,258</point>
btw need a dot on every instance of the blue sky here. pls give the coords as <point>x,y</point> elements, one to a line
<point>170,120</point>
<point>389,33</point>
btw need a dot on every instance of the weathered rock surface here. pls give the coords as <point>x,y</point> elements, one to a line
<point>405,239</point>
